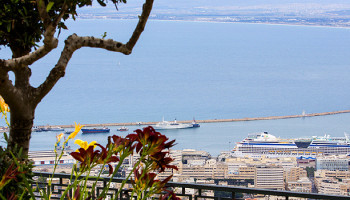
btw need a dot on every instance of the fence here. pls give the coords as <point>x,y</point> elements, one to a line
<point>183,190</point>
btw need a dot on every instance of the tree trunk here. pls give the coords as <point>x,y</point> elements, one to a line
<point>20,130</point>
<point>22,103</point>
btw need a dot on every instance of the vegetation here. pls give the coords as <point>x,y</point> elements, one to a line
<point>24,24</point>
<point>150,146</point>
<point>310,172</point>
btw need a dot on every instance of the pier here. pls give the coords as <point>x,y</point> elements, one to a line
<point>214,120</point>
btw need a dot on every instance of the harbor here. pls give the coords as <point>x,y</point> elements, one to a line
<point>213,120</point>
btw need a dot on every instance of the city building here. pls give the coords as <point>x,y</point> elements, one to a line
<point>294,174</point>
<point>269,177</point>
<point>332,163</point>
<point>302,185</point>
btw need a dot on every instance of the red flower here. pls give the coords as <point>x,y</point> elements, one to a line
<point>89,157</point>
<point>121,145</point>
<point>76,194</point>
<point>161,162</point>
<point>12,197</point>
<point>150,140</point>
<point>169,195</point>
<point>143,181</point>
<point>9,175</point>
<point>152,143</point>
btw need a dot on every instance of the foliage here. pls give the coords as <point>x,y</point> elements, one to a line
<point>310,171</point>
<point>13,166</point>
<point>153,158</point>
<point>152,148</point>
<point>16,167</point>
<point>22,26</point>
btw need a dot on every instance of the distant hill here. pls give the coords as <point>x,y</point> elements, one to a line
<point>306,12</point>
<point>228,6</point>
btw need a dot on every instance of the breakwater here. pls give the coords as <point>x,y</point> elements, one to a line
<point>216,120</point>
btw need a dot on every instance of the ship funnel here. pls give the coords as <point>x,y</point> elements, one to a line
<point>346,136</point>
<point>303,142</point>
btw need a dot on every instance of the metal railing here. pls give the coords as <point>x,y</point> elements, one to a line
<point>183,190</point>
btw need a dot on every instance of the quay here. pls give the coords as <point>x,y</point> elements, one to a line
<point>214,120</point>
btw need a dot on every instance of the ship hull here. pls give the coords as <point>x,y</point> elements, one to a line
<point>95,130</point>
<point>276,147</point>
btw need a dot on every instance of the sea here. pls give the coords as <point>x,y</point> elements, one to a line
<point>203,70</point>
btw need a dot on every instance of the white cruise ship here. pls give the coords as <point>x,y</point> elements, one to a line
<point>171,125</point>
<point>259,144</point>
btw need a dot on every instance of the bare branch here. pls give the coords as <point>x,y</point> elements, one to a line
<point>32,57</point>
<point>72,44</point>
<point>146,11</point>
<point>7,89</point>
<point>75,42</point>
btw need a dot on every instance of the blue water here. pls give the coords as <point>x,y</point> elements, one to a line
<point>218,137</point>
<point>207,71</point>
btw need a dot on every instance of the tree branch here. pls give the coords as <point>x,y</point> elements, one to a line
<point>75,42</point>
<point>7,89</point>
<point>43,14</point>
<point>72,44</point>
<point>146,11</point>
<point>59,17</point>
<point>29,59</point>
<point>50,42</point>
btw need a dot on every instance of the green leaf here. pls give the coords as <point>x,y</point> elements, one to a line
<point>25,10</point>
<point>8,27</point>
<point>5,136</point>
<point>20,12</point>
<point>104,35</point>
<point>49,6</point>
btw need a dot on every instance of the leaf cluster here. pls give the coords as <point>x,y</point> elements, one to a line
<point>20,24</point>
<point>19,185</point>
<point>22,27</point>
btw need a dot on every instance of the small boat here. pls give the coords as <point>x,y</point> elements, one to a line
<point>195,124</point>
<point>37,129</point>
<point>123,128</point>
<point>171,125</point>
<point>95,130</point>
<point>52,128</point>
<point>55,128</point>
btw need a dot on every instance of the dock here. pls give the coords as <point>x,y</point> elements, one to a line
<point>215,120</point>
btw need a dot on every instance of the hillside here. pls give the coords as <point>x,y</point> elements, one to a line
<point>312,12</point>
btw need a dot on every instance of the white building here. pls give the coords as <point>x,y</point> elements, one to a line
<point>41,158</point>
<point>332,163</point>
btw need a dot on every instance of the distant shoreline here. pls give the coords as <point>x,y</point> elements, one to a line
<point>233,22</point>
<point>214,120</point>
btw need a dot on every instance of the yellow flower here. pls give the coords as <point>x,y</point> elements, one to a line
<point>75,132</point>
<point>4,108</point>
<point>59,137</point>
<point>84,144</point>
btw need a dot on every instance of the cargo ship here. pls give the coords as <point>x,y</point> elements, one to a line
<point>95,130</point>
<point>265,144</point>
